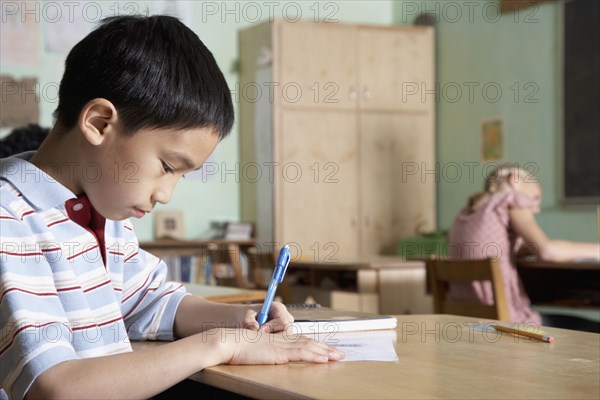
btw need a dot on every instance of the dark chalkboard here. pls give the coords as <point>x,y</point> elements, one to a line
<point>581,102</point>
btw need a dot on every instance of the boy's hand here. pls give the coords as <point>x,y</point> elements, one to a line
<point>279,318</point>
<point>259,347</point>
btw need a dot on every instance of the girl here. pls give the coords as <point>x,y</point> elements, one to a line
<point>500,222</point>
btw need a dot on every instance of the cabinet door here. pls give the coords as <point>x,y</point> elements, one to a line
<point>397,179</point>
<point>396,68</point>
<point>317,65</point>
<point>317,202</point>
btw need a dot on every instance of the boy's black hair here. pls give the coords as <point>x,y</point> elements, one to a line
<point>154,69</point>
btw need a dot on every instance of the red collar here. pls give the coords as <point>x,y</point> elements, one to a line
<point>81,211</point>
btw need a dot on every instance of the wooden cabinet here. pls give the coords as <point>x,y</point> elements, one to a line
<point>398,200</point>
<point>316,64</point>
<point>318,189</point>
<point>396,68</point>
<point>335,133</point>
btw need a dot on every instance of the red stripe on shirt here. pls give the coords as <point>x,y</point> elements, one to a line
<point>131,256</point>
<point>83,252</point>
<point>137,290</point>
<point>145,293</point>
<point>67,289</point>
<point>28,292</point>
<point>57,222</point>
<point>26,214</point>
<point>52,249</point>
<point>80,328</point>
<point>39,253</point>
<point>97,286</point>
<point>23,328</point>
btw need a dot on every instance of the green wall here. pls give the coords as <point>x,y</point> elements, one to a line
<point>518,53</point>
<point>208,197</point>
<point>472,48</point>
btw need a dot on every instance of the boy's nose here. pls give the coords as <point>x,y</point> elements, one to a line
<point>163,194</point>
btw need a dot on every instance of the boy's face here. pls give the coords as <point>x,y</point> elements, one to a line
<point>138,171</point>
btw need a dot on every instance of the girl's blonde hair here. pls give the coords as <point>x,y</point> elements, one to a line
<point>493,182</point>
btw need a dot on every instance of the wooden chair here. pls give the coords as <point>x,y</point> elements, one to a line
<point>443,271</point>
<point>258,262</point>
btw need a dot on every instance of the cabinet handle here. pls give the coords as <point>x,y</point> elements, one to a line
<point>352,94</point>
<point>353,222</point>
<point>420,228</point>
<point>366,93</point>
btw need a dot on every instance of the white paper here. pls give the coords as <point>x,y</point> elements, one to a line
<point>20,34</point>
<point>365,345</point>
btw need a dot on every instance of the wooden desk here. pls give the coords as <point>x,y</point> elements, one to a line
<point>570,284</point>
<point>379,284</point>
<point>225,294</point>
<point>565,265</point>
<point>439,358</point>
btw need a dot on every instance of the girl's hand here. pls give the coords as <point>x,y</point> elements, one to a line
<point>260,347</point>
<point>279,318</point>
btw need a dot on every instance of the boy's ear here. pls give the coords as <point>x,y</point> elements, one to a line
<point>97,117</point>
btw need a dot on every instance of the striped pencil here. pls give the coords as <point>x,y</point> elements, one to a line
<point>523,332</point>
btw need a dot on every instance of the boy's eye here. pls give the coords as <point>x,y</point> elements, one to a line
<point>167,168</point>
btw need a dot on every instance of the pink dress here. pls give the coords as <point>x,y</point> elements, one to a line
<point>487,233</point>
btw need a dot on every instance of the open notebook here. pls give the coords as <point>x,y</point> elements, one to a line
<point>312,319</point>
<point>362,336</point>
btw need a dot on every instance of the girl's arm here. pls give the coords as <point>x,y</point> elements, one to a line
<point>523,222</point>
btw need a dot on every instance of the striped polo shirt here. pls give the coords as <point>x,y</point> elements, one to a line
<point>59,299</point>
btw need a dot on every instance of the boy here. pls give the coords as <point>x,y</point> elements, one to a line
<point>141,103</point>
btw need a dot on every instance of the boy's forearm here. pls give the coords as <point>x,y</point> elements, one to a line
<point>196,314</point>
<point>146,372</point>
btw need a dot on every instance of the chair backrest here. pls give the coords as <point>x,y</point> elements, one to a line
<point>444,271</point>
<point>261,266</point>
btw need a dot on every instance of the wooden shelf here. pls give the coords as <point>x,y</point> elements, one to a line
<point>221,251</point>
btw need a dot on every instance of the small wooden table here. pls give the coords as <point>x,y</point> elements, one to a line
<point>377,284</point>
<point>225,294</point>
<point>565,288</point>
<point>565,265</point>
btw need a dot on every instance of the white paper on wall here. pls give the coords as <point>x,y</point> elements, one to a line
<point>20,34</point>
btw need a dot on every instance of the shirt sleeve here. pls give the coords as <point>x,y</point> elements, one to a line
<point>36,334</point>
<point>520,200</point>
<point>149,301</point>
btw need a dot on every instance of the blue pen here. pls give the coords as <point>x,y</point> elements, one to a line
<point>282,263</point>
